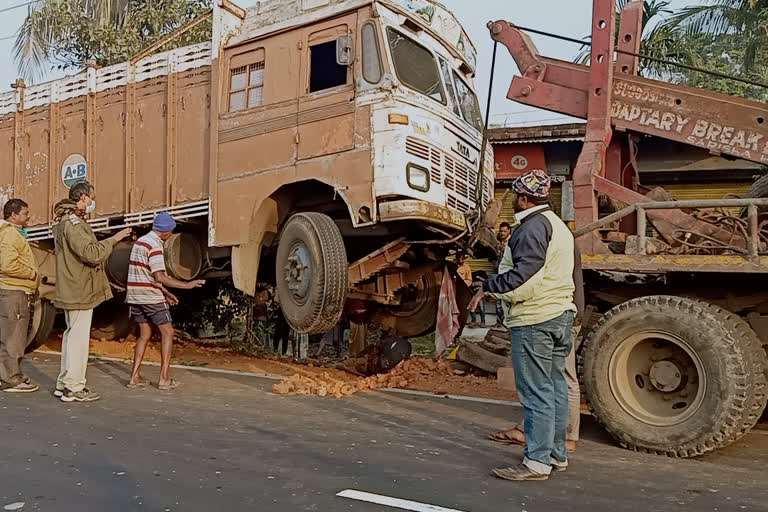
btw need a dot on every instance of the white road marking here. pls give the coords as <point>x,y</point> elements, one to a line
<point>378,499</point>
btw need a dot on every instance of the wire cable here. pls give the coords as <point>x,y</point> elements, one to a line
<point>586,42</point>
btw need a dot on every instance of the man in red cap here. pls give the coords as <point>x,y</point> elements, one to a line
<point>149,299</point>
<point>535,281</point>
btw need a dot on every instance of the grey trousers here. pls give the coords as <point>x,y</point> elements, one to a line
<point>15,309</point>
<point>574,393</point>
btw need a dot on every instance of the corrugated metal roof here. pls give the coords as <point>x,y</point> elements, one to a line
<point>539,140</point>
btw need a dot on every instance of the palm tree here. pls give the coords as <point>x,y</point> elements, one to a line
<point>48,26</point>
<point>659,40</point>
<point>748,18</point>
<point>69,33</point>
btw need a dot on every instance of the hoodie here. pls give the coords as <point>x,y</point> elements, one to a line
<point>81,282</point>
<point>18,268</point>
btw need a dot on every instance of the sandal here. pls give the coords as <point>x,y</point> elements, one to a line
<point>138,385</point>
<point>168,387</point>
<point>504,437</point>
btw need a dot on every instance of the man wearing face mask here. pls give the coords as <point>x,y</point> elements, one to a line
<point>19,280</point>
<point>81,285</point>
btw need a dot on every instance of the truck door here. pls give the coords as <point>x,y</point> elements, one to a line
<point>327,90</point>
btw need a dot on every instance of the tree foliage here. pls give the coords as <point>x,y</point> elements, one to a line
<point>66,34</point>
<point>747,19</point>
<point>659,40</point>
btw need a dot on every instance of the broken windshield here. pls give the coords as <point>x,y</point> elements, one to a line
<point>468,103</point>
<point>415,66</point>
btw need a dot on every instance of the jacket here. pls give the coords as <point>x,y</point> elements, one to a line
<point>81,282</point>
<point>535,279</point>
<point>18,268</point>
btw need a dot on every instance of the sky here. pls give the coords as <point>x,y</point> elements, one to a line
<point>567,17</point>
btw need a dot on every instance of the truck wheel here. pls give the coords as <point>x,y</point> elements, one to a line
<point>111,321</point>
<point>757,190</point>
<point>40,324</point>
<point>312,273</point>
<point>417,314</point>
<point>673,376</point>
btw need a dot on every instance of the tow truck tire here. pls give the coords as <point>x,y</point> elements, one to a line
<point>673,376</point>
<point>41,320</point>
<point>312,273</point>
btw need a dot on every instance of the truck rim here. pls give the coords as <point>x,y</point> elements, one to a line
<point>298,272</point>
<point>657,378</point>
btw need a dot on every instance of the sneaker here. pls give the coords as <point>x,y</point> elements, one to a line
<point>24,386</point>
<point>519,473</point>
<point>84,395</point>
<point>58,392</point>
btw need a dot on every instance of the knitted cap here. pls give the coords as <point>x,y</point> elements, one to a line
<point>535,183</point>
<point>164,222</point>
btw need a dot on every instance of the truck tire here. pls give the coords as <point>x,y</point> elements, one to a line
<point>757,190</point>
<point>111,321</point>
<point>417,314</point>
<point>40,324</point>
<point>312,273</point>
<point>673,376</point>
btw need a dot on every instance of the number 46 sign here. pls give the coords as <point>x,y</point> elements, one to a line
<point>519,162</point>
<point>74,170</point>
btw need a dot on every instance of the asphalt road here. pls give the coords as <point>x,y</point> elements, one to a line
<point>224,442</point>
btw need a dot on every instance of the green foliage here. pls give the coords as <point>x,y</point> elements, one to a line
<point>724,54</point>
<point>659,40</point>
<point>66,34</point>
<point>746,19</point>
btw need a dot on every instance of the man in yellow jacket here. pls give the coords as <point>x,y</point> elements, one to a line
<point>536,284</point>
<point>19,280</point>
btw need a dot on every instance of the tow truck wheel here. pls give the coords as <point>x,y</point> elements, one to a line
<point>312,273</point>
<point>673,376</point>
<point>41,320</point>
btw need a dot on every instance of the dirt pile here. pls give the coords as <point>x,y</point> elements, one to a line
<point>406,373</point>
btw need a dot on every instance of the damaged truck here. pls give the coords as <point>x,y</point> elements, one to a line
<point>329,148</point>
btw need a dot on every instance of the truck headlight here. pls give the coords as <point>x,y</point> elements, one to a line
<point>418,177</point>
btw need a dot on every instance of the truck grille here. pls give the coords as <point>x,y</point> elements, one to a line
<point>459,179</point>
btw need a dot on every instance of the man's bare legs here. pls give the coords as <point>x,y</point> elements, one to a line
<point>166,349</point>
<point>145,332</point>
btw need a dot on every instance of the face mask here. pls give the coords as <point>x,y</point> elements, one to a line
<point>91,207</point>
<point>23,232</point>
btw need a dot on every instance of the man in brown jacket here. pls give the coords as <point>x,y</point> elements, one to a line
<point>81,285</point>
<point>19,280</point>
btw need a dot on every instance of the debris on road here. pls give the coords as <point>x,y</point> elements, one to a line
<point>488,355</point>
<point>325,384</point>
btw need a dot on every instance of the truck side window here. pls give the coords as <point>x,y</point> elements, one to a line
<point>371,54</point>
<point>246,87</point>
<point>446,70</point>
<point>324,72</point>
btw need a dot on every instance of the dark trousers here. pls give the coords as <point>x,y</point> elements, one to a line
<point>14,326</point>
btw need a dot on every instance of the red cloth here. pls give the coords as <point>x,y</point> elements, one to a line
<point>447,315</point>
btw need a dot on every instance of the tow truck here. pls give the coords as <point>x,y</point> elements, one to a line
<point>674,360</point>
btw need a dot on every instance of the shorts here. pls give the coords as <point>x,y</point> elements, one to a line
<point>157,314</point>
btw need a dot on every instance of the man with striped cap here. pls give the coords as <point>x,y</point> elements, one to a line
<point>535,282</point>
<point>149,298</point>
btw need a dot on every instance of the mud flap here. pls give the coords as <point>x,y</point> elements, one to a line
<point>455,297</point>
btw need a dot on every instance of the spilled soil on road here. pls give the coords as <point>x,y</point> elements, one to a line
<point>310,377</point>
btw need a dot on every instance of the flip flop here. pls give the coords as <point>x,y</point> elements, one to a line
<point>170,386</point>
<point>502,437</point>
<point>139,385</point>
